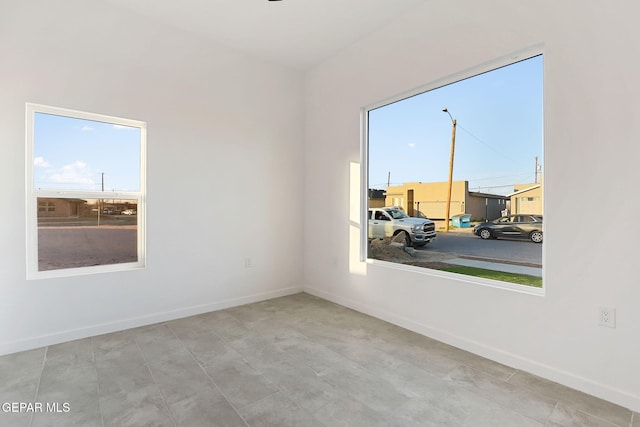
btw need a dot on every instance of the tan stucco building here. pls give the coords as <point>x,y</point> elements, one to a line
<point>57,207</point>
<point>376,198</point>
<point>430,199</point>
<point>527,199</point>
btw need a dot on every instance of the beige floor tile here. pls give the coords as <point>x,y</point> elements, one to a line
<point>302,385</point>
<point>143,406</point>
<point>278,411</point>
<point>18,368</point>
<point>564,415</point>
<point>205,409</point>
<point>76,353</point>
<point>577,400</point>
<point>297,360</point>
<point>240,382</point>
<point>510,397</point>
<point>350,412</point>
<point>179,376</point>
<point>458,408</point>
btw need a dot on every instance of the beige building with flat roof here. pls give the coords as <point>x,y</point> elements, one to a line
<point>527,199</point>
<point>429,199</point>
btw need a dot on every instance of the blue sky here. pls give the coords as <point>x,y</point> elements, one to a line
<point>72,154</point>
<point>499,132</point>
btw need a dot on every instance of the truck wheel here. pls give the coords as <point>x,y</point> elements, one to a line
<point>405,237</point>
<point>407,240</point>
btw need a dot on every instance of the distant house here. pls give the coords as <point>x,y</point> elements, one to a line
<point>486,206</point>
<point>59,208</point>
<point>77,208</point>
<point>527,199</point>
<point>376,198</point>
<point>429,199</point>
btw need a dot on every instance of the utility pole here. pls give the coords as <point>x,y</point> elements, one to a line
<point>100,201</point>
<point>453,148</point>
<point>536,174</point>
<point>388,179</point>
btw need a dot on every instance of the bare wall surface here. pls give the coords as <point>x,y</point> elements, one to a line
<point>591,151</point>
<point>224,149</point>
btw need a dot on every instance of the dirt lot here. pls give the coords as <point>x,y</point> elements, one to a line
<point>387,250</point>
<point>69,246</point>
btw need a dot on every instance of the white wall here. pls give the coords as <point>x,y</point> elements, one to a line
<point>224,160</point>
<point>591,154</point>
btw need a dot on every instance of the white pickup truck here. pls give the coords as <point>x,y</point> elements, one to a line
<point>391,221</point>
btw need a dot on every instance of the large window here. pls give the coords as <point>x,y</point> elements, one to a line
<point>85,192</point>
<point>462,160</point>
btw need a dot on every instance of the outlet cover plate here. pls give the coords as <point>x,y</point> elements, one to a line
<point>608,317</point>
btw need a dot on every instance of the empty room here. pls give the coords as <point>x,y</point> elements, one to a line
<point>292,212</point>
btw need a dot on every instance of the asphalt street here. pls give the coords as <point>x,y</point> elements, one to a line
<point>465,243</point>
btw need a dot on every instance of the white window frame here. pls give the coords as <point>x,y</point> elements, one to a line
<point>32,195</point>
<point>364,173</point>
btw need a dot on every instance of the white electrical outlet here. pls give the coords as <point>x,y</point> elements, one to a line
<point>608,317</point>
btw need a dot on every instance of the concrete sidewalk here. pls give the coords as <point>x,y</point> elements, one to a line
<point>496,266</point>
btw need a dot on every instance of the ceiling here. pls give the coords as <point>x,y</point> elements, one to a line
<point>295,33</point>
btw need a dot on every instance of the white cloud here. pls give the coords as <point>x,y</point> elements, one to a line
<point>412,145</point>
<point>40,162</point>
<point>76,173</point>
<point>86,128</point>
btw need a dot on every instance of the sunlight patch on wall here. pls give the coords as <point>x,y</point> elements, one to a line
<point>356,265</point>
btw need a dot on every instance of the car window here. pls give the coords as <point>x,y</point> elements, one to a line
<point>381,216</point>
<point>397,214</point>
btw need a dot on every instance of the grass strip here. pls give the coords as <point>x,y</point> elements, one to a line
<point>521,279</point>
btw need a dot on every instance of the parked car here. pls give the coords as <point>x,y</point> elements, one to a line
<point>519,226</point>
<point>391,221</point>
<point>129,212</point>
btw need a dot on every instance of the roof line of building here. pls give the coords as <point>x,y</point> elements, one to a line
<point>526,189</point>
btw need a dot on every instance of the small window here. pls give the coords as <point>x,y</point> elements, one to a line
<point>529,199</point>
<point>44,206</point>
<point>85,192</point>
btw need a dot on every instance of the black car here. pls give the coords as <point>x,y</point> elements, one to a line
<point>519,226</point>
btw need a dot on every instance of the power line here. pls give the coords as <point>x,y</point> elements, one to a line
<point>493,186</point>
<point>515,175</point>
<point>384,185</point>
<point>489,146</point>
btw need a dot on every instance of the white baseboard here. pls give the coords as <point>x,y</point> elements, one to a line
<point>134,322</point>
<point>602,391</point>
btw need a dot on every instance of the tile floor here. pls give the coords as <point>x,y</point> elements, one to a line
<point>296,360</point>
